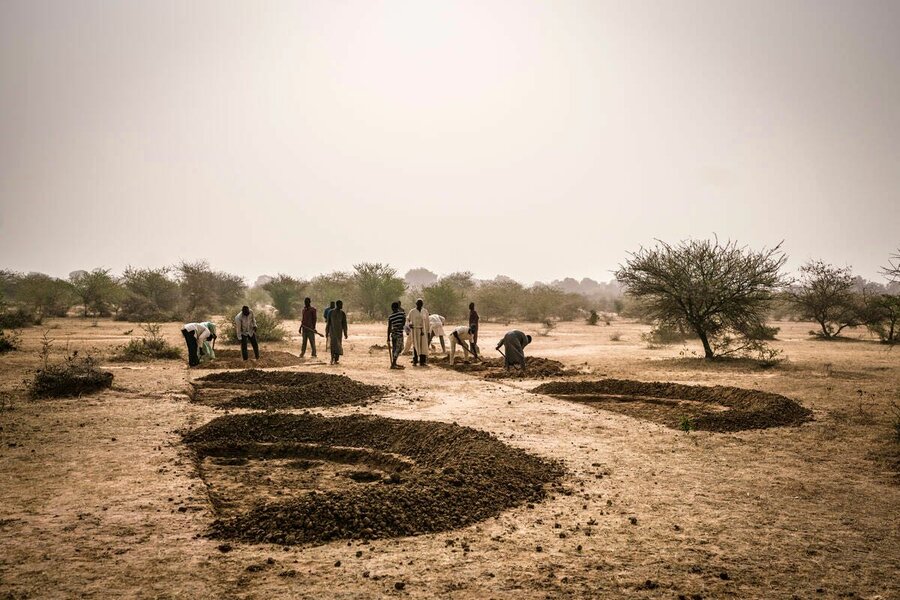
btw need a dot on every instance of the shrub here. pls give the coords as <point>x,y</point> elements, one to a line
<point>150,347</point>
<point>9,342</point>
<point>17,318</point>
<point>593,318</point>
<point>73,377</point>
<point>664,335</point>
<point>268,327</point>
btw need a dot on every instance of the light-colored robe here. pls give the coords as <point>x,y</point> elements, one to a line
<point>418,320</point>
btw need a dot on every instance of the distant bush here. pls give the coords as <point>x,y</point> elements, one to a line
<point>759,332</point>
<point>286,293</point>
<point>9,342</point>
<point>268,327</point>
<point>593,318</point>
<point>17,318</point>
<point>664,335</point>
<point>150,347</point>
<point>73,377</point>
<point>150,296</point>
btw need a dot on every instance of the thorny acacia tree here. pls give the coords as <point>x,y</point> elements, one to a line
<point>892,270</point>
<point>717,291</point>
<point>827,295</point>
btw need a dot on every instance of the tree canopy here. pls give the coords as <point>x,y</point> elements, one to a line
<point>718,291</point>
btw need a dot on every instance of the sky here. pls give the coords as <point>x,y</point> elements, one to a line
<point>536,139</point>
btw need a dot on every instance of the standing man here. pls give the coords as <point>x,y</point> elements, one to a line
<point>514,342</point>
<point>395,333</point>
<point>334,327</point>
<point>473,324</point>
<point>245,328</point>
<point>325,314</point>
<point>194,334</point>
<point>420,325</point>
<point>308,327</point>
<point>436,323</point>
<point>460,336</point>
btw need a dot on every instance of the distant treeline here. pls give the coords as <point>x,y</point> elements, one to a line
<point>194,290</point>
<point>828,295</point>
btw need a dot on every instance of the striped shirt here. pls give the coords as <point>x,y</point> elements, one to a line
<point>396,322</point>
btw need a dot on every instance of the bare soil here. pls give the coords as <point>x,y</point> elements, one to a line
<point>269,359</point>
<point>710,408</point>
<point>101,497</point>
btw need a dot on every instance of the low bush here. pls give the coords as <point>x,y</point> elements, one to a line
<point>150,347</point>
<point>9,341</point>
<point>73,377</point>
<point>268,328</point>
<point>17,318</point>
<point>663,335</point>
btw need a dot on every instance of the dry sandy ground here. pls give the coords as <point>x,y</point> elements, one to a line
<point>99,498</point>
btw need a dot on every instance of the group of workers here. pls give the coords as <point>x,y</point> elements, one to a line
<point>413,331</point>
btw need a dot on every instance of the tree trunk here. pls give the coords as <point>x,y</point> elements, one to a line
<point>707,349</point>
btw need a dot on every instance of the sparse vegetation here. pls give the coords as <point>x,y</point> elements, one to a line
<point>206,292</point>
<point>9,341</point>
<point>268,327</point>
<point>97,290</point>
<point>593,318</point>
<point>152,346</point>
<point>377,285</point>
<point>286,293</point>
<point>73,377</point>
<point>716,291</point>
<point>150,295</point>
<point>827,296</point>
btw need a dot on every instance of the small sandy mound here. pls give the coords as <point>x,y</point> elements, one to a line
<point>268,359</point>
<point>493,368</point>
<point>273,390</point>
<point>710,408</point>
<point>393,477</point>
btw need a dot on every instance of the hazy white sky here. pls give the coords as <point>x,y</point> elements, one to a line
<point>533,139</point>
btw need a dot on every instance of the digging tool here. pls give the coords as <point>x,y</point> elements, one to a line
<point>390,346</point>
<point>315,331</point>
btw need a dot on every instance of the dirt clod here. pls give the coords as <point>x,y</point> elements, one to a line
<point>679,406</point>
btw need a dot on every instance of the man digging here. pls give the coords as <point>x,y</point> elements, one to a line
<point>514,343</point>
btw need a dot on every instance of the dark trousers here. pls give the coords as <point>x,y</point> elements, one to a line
<point>308,336</point>
<point>396,345</point>
<point>191,340</point>
<point>419,359</point>
<point>253,343</point>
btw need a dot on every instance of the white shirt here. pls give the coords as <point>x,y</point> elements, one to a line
<point>200,331</point>
<point>244,325</point>
<point>437,325</point>
<point>463,334</point>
